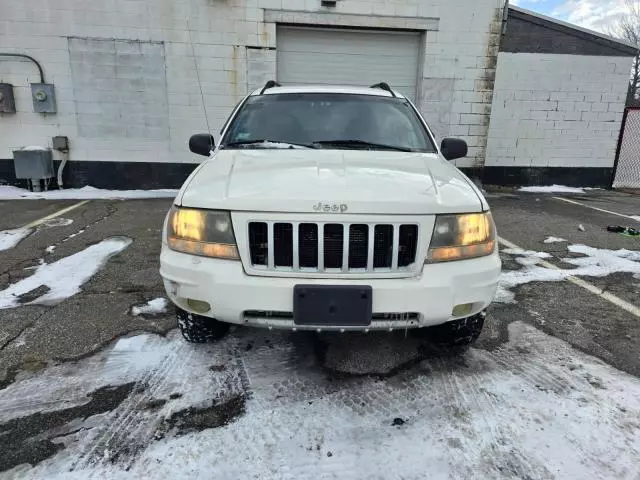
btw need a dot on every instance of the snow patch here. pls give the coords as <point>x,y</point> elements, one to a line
<point>57,222</point>
<point>50,249</point>
<point>10,238</point>
<point>533,408</point>
<point>636,217</point>
<point>84,193</point>
<point>33,148</point>
<point>152,307</point>
<point>279,145</point>
<point>64,277</point>
<point>553,189</point>
<point>526,253</point>
<point>554,240</point>
<point>597,262</point>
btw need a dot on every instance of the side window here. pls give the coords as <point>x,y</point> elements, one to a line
<point>226,123</point>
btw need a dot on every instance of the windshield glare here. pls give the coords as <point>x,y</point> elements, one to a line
<point>304,119</point>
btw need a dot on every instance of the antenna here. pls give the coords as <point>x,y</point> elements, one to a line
<point>204,105</point>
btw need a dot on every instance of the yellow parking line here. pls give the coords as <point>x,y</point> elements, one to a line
<point>56,214</point>
<point>609,297</point>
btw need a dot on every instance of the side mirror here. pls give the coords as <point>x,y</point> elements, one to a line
<point>202,144</point>
<point>453,148</point>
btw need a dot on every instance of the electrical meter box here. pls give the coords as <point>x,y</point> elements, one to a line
<point>7,100</point>
<point>44,98</point>
<point>32,163</point>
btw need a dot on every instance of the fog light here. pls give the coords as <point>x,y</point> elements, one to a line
<point>198,306</point>
<point>462,310</point>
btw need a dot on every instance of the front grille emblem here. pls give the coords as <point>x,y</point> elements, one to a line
<point>330,207</point>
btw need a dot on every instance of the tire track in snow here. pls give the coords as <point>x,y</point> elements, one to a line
<point>536,373</point>
<point>498,432</point>
<point>144,423</point>
<point>126,413</point>
<point>455,393</point>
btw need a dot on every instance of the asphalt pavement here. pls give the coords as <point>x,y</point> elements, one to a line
<point>79,332</point>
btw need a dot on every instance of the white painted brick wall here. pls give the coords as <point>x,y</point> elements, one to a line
<point>557,110</point>
<point>455,90</point>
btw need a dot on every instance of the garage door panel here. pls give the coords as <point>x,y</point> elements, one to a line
<point>319,61</point>
<point>324,56</point>
<point>388,45</point>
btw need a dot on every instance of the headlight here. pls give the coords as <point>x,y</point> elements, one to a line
<point>458,237</point>
<point>201,232</point>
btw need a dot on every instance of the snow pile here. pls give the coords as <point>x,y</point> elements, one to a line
<point>64,277</point>
<point>554,240</point>
<point>10,238</point>
<point>553,189</point>
<point>84,193</point>
<point>152,307</point>
<point>596,263</point>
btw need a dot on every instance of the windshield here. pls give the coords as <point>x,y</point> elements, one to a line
<point>329,121</point>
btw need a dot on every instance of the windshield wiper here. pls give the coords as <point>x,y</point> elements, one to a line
<point>268,143</point>
<point>361,143</point>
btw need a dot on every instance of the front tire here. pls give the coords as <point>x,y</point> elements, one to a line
<point>457,333</point>
<point>199,329</point>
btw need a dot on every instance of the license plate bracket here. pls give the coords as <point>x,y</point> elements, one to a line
<point>328,305</point>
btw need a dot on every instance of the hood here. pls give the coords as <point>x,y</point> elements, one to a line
<point>312,181</point>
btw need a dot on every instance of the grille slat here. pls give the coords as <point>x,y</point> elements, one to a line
<point>283,244</point>
<point>333,246</point>
<point>258,243</point>
<point>383,246</point>
<point>358,246</point>
<point>308,245</point>
<point>407,245</point>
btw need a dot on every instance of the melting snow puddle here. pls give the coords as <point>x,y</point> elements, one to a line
<point>62,279</point>
<point>596,263</point>
<point>533,408</point>
<point>10,238</point>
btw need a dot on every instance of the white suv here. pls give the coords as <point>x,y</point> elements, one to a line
<point>329,209</point>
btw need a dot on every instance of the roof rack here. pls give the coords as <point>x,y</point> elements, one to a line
<point>384,86</point>
<point>268,85</point>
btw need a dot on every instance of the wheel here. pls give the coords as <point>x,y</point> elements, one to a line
<point>457,333</point>
<point>199,329</point>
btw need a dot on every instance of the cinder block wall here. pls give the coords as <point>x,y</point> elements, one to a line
<point>557,110</point>
<point>126,84</point>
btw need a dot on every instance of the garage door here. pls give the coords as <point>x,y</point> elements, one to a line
<point>348,57</point>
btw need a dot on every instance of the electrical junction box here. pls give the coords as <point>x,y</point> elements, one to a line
<point>35,163</point>
<point>44,98</point>
<point>7,100</point>
<point>60,143</point>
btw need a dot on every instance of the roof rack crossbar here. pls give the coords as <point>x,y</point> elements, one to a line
<point>268,85</point>
<point>384,86</point>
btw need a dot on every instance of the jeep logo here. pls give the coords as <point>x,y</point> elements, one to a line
<point>330,207</point>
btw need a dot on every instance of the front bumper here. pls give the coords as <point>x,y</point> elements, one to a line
<point>235,297</point>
